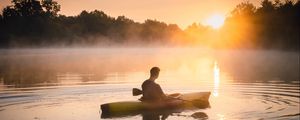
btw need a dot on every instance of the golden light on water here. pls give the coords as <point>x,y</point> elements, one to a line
<point>216,79</point>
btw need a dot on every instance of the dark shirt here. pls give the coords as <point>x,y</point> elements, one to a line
<point>152,91</point>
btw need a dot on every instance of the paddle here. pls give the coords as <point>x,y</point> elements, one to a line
<point>136,92</point>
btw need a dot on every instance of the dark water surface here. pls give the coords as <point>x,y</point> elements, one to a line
<point>71,84</point>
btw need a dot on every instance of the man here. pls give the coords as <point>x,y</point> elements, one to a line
<point>152,91</point>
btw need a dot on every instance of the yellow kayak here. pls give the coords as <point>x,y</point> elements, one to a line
<point>197,100</point>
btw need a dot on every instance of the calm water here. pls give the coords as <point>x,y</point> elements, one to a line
<point>71,84</point>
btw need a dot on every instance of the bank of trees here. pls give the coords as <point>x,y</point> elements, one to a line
<point>32,23</point>
<point>275,24</point>
<point>37,23</point>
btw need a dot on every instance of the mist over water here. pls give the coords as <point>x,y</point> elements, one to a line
<point>21,67</point>
<point>41,83</point>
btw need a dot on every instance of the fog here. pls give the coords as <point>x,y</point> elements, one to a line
<point>40,67</point>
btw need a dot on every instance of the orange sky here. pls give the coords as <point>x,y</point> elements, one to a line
<point>181,12</point>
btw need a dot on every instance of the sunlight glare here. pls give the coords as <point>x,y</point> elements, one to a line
<point>215,21</point>
<point>216,79</point>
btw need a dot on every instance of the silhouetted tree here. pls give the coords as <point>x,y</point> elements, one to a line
<point>274,24</point>
<point>244,9</point>
<point>52,7</point>
<point>153,30</point>
<point>26,22</point>
<point>123,29</point>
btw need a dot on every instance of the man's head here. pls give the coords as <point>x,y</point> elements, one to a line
<point>154,72</point>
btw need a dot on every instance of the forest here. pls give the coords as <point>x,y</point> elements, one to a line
<point>33,23</point>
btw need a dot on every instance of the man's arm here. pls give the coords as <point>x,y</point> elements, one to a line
<point>160,92</point>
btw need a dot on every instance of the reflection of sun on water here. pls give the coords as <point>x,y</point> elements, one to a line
<point>216,79</point>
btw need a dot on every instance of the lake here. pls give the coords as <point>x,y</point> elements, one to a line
<point>71,84</point>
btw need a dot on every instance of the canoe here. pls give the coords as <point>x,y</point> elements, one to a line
<point>197,100</point>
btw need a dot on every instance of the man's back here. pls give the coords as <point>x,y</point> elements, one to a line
<point>152,91</point>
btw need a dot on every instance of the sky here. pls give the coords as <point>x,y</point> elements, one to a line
<point>180,12</point>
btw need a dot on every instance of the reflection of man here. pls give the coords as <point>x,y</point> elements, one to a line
<point>152,91</point>
<point>154,116</point>
<point>151,116</point>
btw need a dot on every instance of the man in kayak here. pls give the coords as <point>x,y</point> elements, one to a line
<point>152,91</point>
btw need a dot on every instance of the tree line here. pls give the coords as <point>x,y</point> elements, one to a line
<point>275,24</point>
<point>33,23</point>
<point>37,23</point>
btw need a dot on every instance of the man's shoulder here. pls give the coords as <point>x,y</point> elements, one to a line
<point>147,81</point>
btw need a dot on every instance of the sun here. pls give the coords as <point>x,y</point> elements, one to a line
<point>215,21</point>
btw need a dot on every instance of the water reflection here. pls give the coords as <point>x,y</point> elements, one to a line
<point>216,79</point>
<point>263,84</point>
<point>30,67</point>
<point>155,116</point>
<point>166,115</point>
<point>69,78</point>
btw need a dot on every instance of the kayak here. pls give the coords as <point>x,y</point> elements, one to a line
<point>197,100</point>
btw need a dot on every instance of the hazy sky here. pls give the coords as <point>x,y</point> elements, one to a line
<point>181,12</point>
